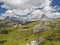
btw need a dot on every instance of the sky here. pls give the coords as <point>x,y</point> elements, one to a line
<point>2,10</point>
<point>56,3</point>
<point>27,7</point>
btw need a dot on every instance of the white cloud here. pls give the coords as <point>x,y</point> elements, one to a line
<point>21,12</point>
<point>22,7</point>
<point>8,13</point>
<point>0,0</point>
<point>55,15</point>
<point>21,4</point>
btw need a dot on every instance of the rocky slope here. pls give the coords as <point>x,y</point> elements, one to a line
<point>41,32</point>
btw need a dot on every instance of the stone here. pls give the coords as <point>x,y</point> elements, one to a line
<point>34,43</point>
<point>27,44</point>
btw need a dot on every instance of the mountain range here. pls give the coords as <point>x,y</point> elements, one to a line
<point>26,20</point>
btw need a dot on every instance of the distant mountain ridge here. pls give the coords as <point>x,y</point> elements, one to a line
<point>27,20</point>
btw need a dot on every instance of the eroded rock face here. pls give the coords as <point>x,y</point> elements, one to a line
<point>39,28</point>
<point>32,43</point>
<point>40,40</point>
<point>35,42</point>
<point>42,26</point>
<point>27,44</point>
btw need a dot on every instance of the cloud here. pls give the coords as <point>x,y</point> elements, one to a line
<point>23,7</point>
<point>55,15</point>
<point>21,4</point>
<point>0,0</point>
<point>7,13</point>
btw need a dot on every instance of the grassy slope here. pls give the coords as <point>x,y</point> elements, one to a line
<point>22,34</point>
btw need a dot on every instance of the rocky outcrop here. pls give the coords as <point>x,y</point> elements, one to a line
<point>39,28</point>
<point>35,42</point>
<point>32,43</point>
